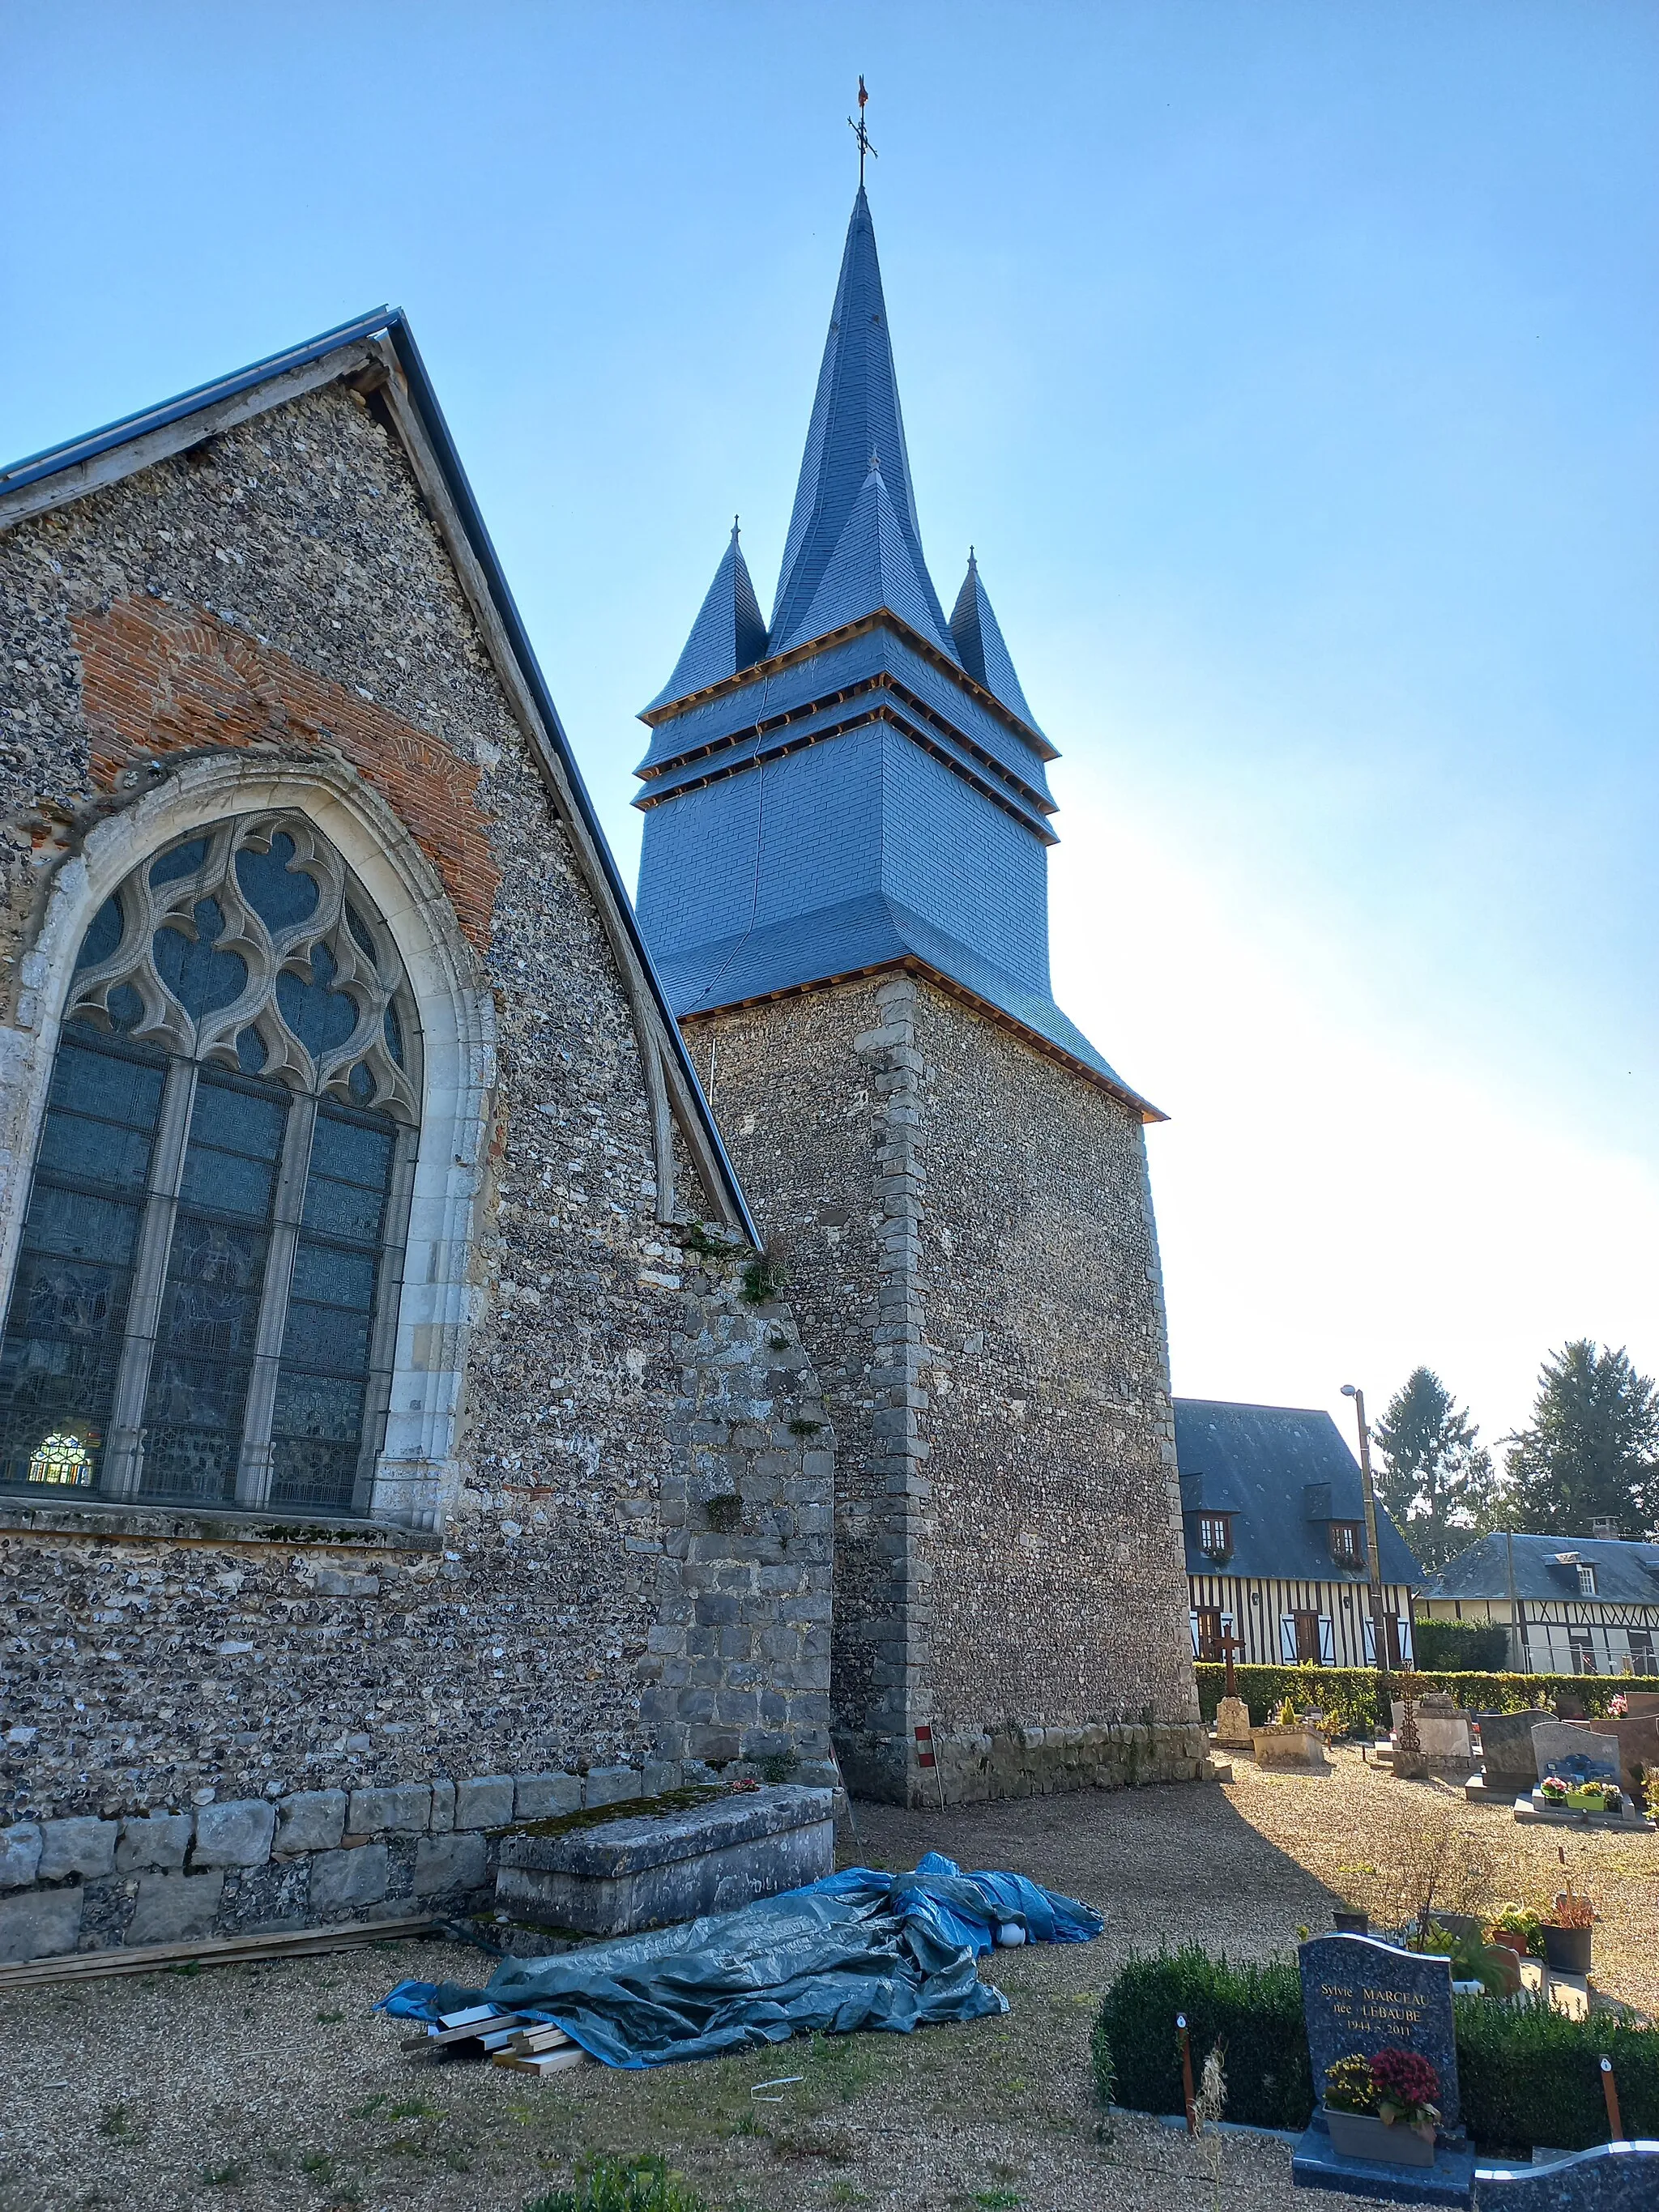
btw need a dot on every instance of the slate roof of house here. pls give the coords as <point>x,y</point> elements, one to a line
<point>1547,1567</point>
<point>1283,1472</point>
<point>79,465</point>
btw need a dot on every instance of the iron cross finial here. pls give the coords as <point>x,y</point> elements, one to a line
<point>860,133</point>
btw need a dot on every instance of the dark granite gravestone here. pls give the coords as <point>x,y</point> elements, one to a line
<point>1506,1750</point>
<point>1360,1994</point>
<point>1575,1752</point>
<point>1613,2178</point>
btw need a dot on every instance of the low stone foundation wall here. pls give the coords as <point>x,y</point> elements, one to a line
<point>975,1765</point>
<point>254,1864</point>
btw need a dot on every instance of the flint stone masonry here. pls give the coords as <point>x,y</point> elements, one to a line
<point>973,1261</point>
<point>277,616</point>
<point>652,1871</point>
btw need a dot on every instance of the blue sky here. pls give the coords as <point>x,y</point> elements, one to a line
<point>1292,368</point>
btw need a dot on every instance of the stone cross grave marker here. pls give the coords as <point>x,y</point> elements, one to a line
<point>1232,1715</point>
<point>1575,1752</point>
<point>1358,1994</point>
<point>1506,1749</point>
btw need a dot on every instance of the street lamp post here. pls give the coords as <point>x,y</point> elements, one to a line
<point>1379,1627</point>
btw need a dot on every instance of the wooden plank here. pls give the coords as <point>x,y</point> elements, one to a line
<point>549,2062</point>
<point>469,2031</point>
<point>213,1951</point>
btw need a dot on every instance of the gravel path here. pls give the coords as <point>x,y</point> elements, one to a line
<point>254,2089</point>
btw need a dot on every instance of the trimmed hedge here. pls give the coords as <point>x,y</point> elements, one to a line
<point>1350,1692</point>
<point>1256,2011</point>
<point>1461,1646</point>
<point>1526,2074</point>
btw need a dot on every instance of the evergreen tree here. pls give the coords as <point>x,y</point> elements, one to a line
<point>1591,1447</point>
<point>1437,1480</point>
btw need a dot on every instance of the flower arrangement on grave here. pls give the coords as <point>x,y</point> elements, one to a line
<point>1554,1790</point>
<point>1286,1716</point>
<point>1618,1705</point>
<point>1519,1928</point>
<point>1399,2087</point>
<point>1571,1909</point>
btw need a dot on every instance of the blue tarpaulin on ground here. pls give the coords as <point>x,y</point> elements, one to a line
<point>861,1948</point>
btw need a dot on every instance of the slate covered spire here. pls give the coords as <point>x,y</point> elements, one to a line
<point>855,414</point>
<point>728,634</point>
<point>873,566</point>
<point>978,641</point>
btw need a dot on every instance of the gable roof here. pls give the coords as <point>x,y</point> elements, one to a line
<point>378,352</point>
<point>1547,1567</point>
<point>1284,1473</point>
<point>855,420</point>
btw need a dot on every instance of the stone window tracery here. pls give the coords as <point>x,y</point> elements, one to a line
<point>204,1307</point>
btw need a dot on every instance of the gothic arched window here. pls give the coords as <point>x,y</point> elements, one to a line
<point>204,1303</point>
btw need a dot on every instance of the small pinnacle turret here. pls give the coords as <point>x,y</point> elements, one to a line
<point>729,633</point>
<point>978,641</point>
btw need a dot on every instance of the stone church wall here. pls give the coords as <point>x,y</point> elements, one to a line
<point>976,1276</point>
<point>550,1595</point>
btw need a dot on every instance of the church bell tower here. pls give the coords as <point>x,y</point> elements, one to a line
<point>843,882</point>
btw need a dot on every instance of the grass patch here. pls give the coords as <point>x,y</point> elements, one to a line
<point>633,2185</point>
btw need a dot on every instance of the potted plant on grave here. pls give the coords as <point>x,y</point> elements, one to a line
<point>1520,1929</point>
<point>1383,2107</point>
<point>1554,1791</point>
<point>1567,1931</point>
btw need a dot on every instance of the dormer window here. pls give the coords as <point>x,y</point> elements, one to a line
<point>1586,1579</point>
<point>1215,1534</point>
<point>1346,1543</point>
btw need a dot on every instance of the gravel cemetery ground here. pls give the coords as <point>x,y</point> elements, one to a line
<point>253,2088</point>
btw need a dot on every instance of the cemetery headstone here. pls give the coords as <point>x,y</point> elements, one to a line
<point>1642,1701</point>
<point>1569,1706</point>
<point>1575,1752</point>
<point>1506,1750</point>
<point>1358,1994</point>
<point>1637,1735</point>
<point>1442,1731</point>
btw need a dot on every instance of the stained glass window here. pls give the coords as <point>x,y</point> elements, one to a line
<point>203,1304</point>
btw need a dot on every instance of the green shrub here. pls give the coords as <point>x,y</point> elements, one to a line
<point>1256,2011</point>
<point>1469,1647</point>
<point>1350,1692</point>
<point>1530,2075</point>
<point>1526,2073</point>
<point>634,2185</point>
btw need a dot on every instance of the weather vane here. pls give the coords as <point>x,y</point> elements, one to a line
<point>860,133</point>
